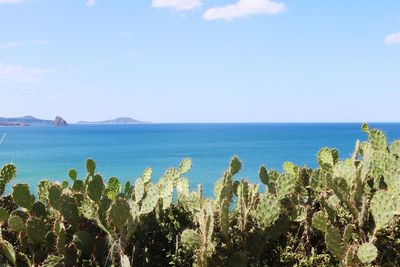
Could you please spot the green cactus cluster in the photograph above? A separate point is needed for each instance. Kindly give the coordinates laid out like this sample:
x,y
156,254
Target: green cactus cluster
x,y
345,212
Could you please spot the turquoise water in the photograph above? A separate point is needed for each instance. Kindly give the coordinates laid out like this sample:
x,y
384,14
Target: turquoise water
x,y
126,150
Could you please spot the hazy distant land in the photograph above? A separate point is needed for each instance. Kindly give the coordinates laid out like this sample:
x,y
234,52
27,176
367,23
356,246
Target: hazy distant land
x,y
58,121
32,121
114,121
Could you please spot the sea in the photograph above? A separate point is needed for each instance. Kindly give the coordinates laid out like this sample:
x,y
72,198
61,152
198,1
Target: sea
x,y
124,151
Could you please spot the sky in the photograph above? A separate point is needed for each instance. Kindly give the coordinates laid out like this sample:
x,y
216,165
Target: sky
x,y
201,60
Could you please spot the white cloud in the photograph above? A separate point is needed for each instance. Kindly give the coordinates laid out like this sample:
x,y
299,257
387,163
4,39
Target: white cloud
x,y
177,4
20,74
11,1
393,38
244,8
89,3
11,45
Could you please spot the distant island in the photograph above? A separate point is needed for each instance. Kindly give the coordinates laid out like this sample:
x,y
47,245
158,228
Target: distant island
x,y
114,121
32,121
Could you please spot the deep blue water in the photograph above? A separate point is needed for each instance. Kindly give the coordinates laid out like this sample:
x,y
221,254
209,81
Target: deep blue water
x,y
126,150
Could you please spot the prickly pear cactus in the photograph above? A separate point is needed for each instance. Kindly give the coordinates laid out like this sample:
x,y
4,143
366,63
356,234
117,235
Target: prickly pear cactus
x,y
4,215
119,213
95,188
235,166
383,209
16,223
7,173
139,190
190,239
285,185
90,167
327,157
36,230
22,196
367,253
73,174
333,241
8,251
150,200
320,221
268,210
113,187
185,166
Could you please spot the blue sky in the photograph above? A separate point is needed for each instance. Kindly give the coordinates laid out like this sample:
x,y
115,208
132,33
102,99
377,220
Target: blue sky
x,y
201,60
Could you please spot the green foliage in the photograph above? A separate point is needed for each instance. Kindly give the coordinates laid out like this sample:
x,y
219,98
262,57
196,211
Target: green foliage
x,y
343,213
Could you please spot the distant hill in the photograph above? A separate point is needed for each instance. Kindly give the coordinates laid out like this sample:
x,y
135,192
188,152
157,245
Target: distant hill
x,y
114,121
31,121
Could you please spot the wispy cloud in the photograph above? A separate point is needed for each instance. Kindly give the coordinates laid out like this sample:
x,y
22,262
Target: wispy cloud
x,y
20,74
393,38
11,1
244,8
89,3
11,45
179,5
21,44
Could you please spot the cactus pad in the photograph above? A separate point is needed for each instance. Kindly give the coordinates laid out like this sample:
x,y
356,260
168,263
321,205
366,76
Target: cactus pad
x,y
55,196
16,223
263,175
139,190
383,208
285,185
36,230
327,157
190,239
268,210
320,221
235,166
147,175
90,166
185,166
7,173
95,188
73,174
367,253
378,140
9,252
22,196
298,214
333,241
69,209
4,214
150,200
113,187
83,241
119,212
